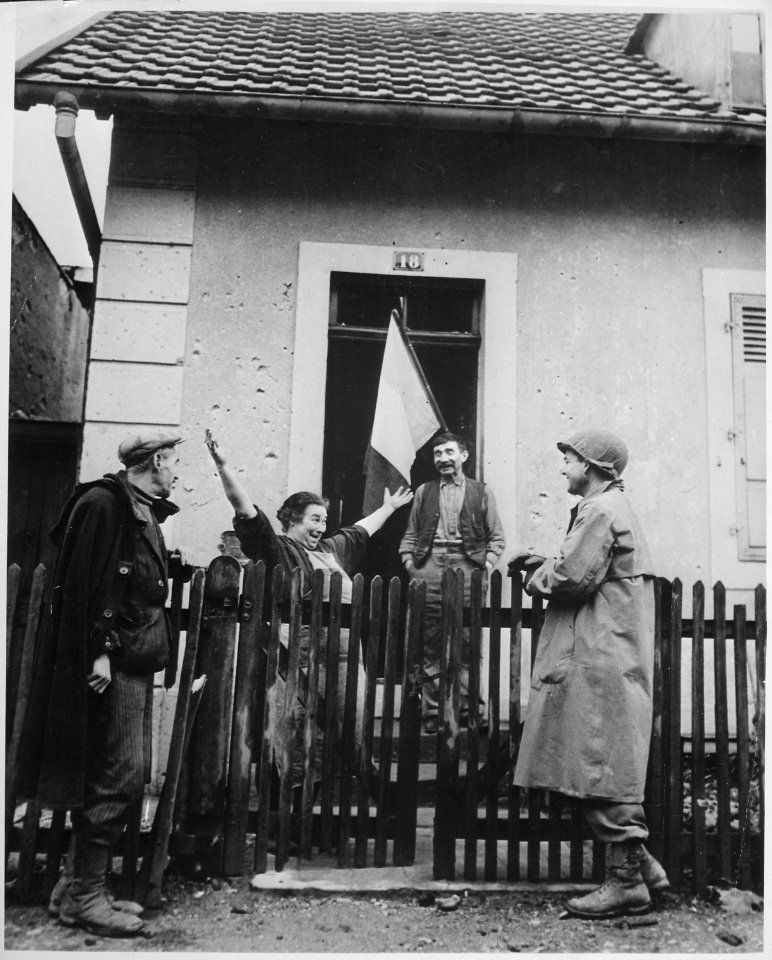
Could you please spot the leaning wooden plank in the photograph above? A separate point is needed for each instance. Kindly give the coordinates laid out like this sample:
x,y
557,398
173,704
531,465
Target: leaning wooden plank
x,y
699,840
723,816
387,724
494,733
148,888
410,729
13,644
242,730
310,726
675,787
473,724
743,872
368,725
332,722
265,757
29,654
288,737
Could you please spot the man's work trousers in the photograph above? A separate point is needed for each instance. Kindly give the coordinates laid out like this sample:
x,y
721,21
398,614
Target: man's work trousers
x,y
119,739
614,822
438,561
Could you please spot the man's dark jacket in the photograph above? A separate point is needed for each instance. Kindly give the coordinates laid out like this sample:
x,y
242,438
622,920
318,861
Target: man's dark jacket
x,y
103,546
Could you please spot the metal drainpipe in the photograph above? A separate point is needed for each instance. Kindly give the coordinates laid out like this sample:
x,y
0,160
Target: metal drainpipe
x,y
66,113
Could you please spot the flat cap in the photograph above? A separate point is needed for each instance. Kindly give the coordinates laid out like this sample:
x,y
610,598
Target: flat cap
x,y
138,446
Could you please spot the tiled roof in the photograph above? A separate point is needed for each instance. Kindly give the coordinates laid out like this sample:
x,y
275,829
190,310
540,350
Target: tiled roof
x,y
527,61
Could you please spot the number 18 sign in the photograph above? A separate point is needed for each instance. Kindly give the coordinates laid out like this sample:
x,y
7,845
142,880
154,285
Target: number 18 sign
x,y
408,260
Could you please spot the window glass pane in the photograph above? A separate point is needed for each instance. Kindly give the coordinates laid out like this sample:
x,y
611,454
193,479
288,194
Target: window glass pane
x,y
431,304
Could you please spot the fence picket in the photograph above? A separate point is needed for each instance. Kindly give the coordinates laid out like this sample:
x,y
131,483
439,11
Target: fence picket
x,y
555,824
349,744
494,732
743,871
760,618
368,724
445,821
515,688
410,729
699,850
54,851
270,706
675,787
473,704
310,725
243,724
30,642
331,720
387,724
722,735
288,737
179,574
655,779
211,733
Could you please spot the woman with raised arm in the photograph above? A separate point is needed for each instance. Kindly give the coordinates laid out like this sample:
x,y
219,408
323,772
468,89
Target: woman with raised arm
x,y
302,543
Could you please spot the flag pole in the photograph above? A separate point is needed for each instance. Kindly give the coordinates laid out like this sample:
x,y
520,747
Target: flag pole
x,y
395,315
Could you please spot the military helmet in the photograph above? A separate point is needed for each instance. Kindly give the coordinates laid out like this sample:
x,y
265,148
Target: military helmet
x,y
602,449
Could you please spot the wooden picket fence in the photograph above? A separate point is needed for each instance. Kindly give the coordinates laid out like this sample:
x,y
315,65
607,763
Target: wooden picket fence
x,y
228,803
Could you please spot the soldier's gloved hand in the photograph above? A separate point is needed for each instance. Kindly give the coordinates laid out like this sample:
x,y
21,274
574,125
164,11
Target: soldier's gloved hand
x,y
524,561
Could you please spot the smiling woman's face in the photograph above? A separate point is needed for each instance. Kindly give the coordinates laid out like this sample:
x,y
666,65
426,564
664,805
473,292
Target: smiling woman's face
x,y
309,530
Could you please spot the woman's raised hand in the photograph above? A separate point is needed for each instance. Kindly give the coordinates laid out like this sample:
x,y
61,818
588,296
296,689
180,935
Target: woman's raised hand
x,y
214,448
400,498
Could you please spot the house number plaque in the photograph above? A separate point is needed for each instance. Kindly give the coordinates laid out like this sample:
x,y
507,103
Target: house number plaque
x,y
409,261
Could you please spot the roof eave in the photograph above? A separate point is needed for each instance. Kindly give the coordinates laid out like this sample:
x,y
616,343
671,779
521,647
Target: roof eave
x,y
105,100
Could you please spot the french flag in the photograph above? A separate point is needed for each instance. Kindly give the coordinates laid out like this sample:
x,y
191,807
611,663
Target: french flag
x,y
406,416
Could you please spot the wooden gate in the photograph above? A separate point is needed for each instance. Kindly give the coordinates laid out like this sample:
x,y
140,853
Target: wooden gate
x,y
282,755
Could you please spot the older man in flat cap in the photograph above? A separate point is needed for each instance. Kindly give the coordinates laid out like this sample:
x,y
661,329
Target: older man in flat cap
x,y
89,749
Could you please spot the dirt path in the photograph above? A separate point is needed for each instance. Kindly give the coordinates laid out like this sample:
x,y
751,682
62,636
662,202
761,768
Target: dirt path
x,y
224,918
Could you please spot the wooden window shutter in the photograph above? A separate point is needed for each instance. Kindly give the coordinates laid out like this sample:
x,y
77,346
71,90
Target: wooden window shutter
x,y
749,356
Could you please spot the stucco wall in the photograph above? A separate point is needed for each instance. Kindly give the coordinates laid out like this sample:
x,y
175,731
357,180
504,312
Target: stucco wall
x,y
49,332
610,238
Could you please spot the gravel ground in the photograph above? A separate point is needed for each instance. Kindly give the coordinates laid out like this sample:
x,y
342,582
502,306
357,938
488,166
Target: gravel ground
x,y
229,917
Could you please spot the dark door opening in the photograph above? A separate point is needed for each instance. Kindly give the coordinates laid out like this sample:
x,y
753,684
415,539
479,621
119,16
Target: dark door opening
x,y
442,320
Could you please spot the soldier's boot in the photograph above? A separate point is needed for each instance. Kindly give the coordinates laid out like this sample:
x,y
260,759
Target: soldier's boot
x,y
55,900
85,904
653,873
624,891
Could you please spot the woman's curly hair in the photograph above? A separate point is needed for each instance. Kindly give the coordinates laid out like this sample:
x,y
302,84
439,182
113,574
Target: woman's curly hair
x,y
294,507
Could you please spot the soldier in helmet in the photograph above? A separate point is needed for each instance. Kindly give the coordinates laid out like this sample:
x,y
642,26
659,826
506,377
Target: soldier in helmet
x,y
588,721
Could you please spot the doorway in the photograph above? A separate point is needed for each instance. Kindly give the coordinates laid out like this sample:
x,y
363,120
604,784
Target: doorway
x,y
441,317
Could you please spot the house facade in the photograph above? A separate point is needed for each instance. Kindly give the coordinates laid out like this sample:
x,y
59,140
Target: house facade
x,y
569,215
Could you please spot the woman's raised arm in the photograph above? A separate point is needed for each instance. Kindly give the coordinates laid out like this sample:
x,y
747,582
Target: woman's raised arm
x,y
234,491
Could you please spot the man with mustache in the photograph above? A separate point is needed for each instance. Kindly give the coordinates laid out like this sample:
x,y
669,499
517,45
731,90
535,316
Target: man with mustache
x,y
454,524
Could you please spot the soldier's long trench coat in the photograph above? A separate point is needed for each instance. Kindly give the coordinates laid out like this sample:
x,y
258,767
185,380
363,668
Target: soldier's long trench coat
x,y
588,720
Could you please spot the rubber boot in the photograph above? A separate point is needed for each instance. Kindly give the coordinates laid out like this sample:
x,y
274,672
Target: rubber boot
x,y
85,902
55,901
653,873
624,891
